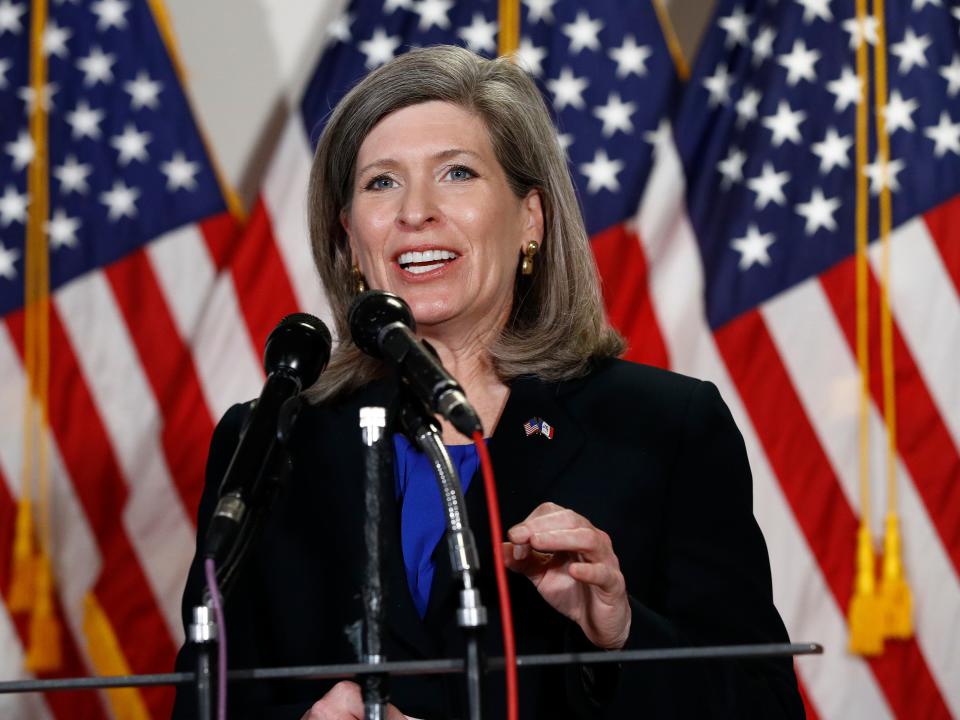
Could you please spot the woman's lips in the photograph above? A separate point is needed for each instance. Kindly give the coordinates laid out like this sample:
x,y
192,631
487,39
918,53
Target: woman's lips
x,y
425,262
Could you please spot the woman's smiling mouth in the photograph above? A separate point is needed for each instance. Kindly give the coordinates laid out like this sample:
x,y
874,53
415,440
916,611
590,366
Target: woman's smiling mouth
x,y
419,262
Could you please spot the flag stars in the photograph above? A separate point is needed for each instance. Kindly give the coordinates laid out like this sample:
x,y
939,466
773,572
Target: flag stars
x,y
731,167
818,212
659,138
143,91
884,174
433,12
73,176
813,9
339,27
746,106
616,115
602,173
799,63
769,186
13,207
480,36
753,248
30,100
96,67
21,150
131,145
10,14
539,10
950,73
390,6
55,39
8,260
4,66
718,85
62,230
85,121
630,57
911,51
833,151
899,113
110,14
583,33
567,90
945,135
736,25
379,49
785,124
180,172
860,31
763,45
564,140
530,57
120,201
920,4
846,89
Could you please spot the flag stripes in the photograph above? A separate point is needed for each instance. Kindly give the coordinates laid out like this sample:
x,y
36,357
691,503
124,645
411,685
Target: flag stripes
x,y
263,287
922,439
626,294
165,541
811,487
167,364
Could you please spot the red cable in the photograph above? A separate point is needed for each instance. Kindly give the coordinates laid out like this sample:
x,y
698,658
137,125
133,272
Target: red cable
x,y
506,613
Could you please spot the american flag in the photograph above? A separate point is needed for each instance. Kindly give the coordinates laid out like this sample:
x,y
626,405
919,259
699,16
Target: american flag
x,y
645,151
532,426
752,284
138,234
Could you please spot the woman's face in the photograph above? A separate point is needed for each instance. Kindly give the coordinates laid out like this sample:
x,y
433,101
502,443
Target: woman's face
x,y
433,220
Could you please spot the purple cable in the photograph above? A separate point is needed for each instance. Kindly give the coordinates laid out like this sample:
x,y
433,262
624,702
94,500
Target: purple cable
x,y
211,573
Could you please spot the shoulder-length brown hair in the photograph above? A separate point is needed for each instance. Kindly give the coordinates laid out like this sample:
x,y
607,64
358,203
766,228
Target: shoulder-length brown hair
x,y
557,323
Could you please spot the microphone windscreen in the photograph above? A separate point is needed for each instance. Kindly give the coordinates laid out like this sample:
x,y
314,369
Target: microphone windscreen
x,y
299,344
372,311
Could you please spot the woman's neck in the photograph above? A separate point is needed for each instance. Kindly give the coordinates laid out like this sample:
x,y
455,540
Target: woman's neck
x,y
467,359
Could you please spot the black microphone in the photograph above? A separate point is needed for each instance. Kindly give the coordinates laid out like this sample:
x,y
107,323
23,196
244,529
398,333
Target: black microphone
x,y
382,326
296,352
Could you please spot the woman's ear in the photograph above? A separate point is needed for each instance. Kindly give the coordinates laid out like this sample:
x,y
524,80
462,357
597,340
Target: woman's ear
x,y
345,224
533,224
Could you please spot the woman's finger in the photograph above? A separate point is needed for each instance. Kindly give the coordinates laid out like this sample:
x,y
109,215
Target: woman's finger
x,y
604,577
593,544
525,560
546,517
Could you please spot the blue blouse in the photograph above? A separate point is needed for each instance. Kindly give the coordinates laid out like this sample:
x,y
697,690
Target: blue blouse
x,y
422,517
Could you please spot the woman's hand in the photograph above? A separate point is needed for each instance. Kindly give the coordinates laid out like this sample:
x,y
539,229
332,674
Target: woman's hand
x,y
344,702
574,568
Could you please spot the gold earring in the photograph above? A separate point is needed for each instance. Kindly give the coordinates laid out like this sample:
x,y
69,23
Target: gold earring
x,y
526,267
359,282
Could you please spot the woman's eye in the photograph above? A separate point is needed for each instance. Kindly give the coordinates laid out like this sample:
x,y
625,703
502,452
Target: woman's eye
x,y
460,172
380,182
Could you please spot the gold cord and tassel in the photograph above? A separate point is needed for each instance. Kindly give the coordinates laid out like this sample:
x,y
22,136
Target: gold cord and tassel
x,y
32,579
876,613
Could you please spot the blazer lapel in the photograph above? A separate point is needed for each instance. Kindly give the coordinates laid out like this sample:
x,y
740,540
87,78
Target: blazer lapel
x,y
525,466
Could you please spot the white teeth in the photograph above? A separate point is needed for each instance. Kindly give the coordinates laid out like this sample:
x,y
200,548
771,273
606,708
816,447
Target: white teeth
x,y
419,269
426,256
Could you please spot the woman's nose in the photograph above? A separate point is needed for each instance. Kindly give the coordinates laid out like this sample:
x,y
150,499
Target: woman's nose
x,y
418,207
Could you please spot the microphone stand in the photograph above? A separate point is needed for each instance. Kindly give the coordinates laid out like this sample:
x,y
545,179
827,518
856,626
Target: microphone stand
x,y
471,615
203,631
373,421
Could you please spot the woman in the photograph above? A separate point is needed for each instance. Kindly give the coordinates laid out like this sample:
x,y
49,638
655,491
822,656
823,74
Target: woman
x,y
439,178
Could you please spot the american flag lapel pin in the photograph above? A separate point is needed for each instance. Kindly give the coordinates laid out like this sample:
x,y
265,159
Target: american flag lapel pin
x,y
532,426
546,429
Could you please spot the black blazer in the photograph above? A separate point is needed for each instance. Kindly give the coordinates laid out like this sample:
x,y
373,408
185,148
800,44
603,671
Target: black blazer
x,y
651,457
